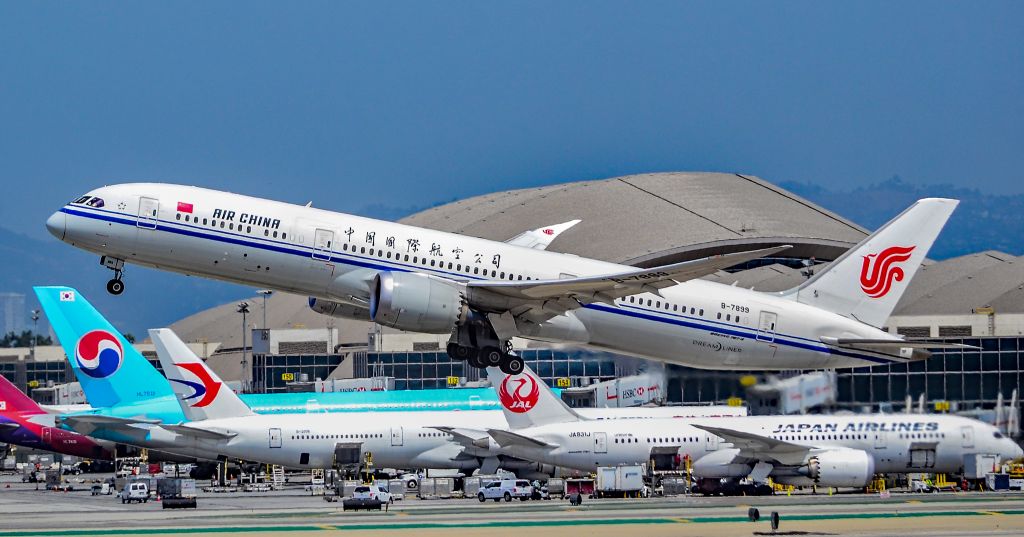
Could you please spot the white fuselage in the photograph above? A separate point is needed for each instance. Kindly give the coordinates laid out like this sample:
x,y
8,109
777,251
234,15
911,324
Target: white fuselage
x,y
897,442
335,256
400,439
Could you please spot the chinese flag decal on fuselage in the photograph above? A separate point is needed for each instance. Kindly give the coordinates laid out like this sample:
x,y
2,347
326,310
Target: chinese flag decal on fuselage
x,y
880,270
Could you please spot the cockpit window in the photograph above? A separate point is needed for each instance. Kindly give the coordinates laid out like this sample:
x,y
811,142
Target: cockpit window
x,y
81,199
95,202
997,434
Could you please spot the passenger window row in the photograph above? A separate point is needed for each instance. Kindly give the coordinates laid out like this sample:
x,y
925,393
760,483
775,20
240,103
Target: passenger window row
x,y
230,226
439,264
667,306
335,436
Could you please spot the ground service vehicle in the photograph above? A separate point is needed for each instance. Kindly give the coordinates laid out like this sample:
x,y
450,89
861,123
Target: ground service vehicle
x,y
135,492
506,489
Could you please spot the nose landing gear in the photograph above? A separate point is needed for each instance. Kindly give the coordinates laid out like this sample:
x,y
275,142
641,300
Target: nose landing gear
x,y
115,286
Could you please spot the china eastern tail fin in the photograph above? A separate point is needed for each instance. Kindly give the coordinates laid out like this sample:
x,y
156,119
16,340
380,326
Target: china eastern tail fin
x,y
13,400
201,393
868,280
109,368
527,401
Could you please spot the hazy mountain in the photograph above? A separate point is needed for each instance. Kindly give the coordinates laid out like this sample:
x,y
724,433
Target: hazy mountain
x,y
981,222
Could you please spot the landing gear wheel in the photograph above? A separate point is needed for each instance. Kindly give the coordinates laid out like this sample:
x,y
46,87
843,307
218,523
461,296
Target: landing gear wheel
x,y
512,365
115,286
477,361
491,357
459,352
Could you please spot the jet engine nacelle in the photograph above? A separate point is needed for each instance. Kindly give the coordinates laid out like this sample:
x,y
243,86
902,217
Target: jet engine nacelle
x,y
416,302
334,308
719,464
839,468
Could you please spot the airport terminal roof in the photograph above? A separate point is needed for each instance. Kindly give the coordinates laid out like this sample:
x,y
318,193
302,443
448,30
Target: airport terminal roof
x,y
655,218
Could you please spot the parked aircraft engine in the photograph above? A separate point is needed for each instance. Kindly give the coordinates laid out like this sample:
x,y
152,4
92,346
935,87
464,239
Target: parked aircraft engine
x,y
721,463
834,468
416,302
333,308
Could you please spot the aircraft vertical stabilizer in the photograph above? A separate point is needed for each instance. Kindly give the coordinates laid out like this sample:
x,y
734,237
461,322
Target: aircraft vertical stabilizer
x,y
13,400
868,280
527,401
202,394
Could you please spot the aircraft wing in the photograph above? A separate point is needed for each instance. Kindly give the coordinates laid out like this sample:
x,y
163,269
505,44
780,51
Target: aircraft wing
x,y
891,344
757,446
510,439
188,430
540,238
561,295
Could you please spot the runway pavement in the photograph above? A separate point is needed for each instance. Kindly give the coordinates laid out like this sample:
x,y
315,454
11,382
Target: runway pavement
x,y
27,512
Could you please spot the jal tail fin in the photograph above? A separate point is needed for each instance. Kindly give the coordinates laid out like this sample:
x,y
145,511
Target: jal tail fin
x,y
527,401
109,368
867,281
14,400
201,393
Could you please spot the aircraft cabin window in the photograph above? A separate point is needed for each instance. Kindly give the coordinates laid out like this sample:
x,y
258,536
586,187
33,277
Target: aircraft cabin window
x,y
177,216
284,235
266,232
702,312
275,234
649,302
186,218
520,277
222,224
362,250
503,275
476,270
432,262
675,307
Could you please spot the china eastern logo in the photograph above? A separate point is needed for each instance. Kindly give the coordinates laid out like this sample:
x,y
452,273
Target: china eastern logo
x,y
205,390
519,393
879,271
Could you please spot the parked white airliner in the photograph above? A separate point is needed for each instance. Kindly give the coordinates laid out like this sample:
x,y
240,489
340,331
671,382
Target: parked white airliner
x,y
835,451
220,424
486,292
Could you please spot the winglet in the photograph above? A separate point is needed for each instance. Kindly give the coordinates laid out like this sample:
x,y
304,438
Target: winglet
x,y
527,401
541,238
201,393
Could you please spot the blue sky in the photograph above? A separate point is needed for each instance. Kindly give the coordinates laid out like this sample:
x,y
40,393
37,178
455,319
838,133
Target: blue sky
x,y
353,104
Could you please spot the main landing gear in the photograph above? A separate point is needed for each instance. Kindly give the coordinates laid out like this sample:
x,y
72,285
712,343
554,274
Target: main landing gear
x,y
476,343
115,286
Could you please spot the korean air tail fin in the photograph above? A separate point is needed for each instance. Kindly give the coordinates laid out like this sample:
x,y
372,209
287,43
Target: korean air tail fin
x,y
201,393
527,401
867,281
14,400
109,368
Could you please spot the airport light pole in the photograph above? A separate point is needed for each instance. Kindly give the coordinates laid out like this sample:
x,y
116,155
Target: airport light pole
x,y
35,326
243,308
266,293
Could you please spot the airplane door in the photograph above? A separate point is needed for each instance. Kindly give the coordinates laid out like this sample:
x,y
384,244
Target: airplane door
x,y
967,436
149,211
47,435
766,326
600,442
397,438
710,442
323,244
880,440
275,438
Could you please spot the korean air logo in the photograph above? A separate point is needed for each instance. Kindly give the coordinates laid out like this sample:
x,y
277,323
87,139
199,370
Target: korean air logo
x,y
205,391
879,271
519,394
99,354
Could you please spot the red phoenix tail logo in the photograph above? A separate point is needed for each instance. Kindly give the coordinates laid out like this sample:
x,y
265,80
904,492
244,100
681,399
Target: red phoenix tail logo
x,y
881,269
519,394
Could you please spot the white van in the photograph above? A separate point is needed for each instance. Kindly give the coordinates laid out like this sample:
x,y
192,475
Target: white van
x,y
136,491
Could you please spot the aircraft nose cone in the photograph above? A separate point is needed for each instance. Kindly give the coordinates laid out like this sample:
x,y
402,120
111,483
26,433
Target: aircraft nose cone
x,y
56,224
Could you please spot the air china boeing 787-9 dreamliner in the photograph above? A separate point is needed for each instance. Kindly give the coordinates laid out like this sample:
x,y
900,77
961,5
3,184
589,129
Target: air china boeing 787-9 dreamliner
x,y
485,292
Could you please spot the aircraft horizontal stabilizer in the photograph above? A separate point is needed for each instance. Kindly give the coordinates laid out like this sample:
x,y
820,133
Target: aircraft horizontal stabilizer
x,y
890,344
470,438
9,426
198,432
101,420
508,439
608,287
